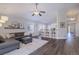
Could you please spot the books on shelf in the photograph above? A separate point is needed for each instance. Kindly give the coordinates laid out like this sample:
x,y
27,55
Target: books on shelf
x,y
50,33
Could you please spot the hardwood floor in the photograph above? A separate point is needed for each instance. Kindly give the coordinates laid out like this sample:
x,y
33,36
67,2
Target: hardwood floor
x,y
59,47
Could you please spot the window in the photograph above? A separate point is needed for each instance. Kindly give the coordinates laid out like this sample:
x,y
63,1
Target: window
x,y
31,28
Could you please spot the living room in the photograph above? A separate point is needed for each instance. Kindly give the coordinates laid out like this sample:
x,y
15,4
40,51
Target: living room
x,y
30,28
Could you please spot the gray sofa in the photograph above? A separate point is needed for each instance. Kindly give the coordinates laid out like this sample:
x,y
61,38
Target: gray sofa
x,y
9,45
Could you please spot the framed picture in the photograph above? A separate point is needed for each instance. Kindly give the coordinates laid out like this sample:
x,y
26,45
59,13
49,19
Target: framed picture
x,y
14,26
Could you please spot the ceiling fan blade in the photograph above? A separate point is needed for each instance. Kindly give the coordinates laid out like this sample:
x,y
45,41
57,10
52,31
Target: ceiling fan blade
x,y
42,12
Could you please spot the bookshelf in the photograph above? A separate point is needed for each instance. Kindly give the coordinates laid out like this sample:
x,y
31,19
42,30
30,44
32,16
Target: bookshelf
x,y
48,33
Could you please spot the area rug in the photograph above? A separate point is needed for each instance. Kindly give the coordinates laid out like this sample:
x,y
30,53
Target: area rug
x,y
26,49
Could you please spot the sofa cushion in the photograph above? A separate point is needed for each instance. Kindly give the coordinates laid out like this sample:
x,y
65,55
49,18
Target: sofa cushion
x,y
8,42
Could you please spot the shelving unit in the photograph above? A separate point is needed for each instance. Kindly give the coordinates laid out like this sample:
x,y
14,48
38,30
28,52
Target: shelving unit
x,y
48,33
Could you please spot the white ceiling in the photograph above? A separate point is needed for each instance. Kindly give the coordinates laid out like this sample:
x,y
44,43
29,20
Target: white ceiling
x,y
25,10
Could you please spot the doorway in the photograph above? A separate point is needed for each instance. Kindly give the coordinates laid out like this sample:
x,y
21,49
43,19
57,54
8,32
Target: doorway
x,y
71,31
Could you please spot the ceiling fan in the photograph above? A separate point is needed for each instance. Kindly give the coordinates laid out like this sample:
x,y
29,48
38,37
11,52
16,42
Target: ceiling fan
x,y
37,12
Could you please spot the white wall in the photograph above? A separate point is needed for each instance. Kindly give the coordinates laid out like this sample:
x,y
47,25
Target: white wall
x,y
77,29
